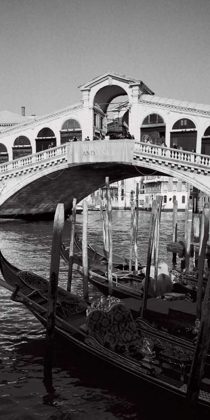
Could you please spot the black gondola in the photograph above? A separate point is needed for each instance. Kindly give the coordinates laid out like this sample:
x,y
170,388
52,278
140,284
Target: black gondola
x,y
108,332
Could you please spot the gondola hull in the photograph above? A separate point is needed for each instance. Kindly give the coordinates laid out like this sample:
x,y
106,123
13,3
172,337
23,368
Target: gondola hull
x,y
82,326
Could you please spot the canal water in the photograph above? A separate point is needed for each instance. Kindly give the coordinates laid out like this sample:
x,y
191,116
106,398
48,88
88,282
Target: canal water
x,y
78,390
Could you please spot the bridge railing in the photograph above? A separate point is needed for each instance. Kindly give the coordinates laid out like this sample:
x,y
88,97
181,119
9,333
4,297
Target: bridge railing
x,y
172,154
35,158
141,148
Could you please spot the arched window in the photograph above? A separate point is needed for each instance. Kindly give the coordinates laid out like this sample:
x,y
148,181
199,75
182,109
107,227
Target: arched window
x,y
46,132
183,124
153,128
71,124
184,135
205,145
45,139
22,147
153,119
207,132
4,157
70,129
165,198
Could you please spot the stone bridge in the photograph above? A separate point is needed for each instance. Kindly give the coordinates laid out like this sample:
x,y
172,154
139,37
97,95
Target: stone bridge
x,y
31,187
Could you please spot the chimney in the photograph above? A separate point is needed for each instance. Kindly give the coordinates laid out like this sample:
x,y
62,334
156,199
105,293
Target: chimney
x,y
23,111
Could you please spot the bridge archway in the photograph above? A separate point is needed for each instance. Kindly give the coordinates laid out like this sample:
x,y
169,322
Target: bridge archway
x,y
22,147
205,144
71,128
109,117
45,139
184,135
153,128
4,156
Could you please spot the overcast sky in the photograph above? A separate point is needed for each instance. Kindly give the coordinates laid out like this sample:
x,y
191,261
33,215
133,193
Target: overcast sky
x,y
50,47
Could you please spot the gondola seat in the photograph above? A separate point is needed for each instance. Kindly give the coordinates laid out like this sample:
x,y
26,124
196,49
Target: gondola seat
x,y
114,329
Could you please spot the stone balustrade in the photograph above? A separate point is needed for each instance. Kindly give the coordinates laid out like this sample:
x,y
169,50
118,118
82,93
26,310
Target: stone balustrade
x,y
172,157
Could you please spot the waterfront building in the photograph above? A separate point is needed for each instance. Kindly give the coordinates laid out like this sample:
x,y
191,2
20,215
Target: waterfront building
x,y
150,188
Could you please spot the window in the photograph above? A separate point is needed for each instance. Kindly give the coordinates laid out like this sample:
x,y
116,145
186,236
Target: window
x,y
153,119
183,199
174,198
183,122
165,198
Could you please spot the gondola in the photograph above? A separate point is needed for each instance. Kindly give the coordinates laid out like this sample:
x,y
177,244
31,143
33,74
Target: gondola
x,y
125,283
107,331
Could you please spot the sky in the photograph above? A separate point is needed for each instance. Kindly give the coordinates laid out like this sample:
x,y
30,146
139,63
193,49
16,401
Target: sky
x,y
48,48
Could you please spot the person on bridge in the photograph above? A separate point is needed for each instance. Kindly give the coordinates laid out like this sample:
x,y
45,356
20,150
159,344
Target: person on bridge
x,y
87,138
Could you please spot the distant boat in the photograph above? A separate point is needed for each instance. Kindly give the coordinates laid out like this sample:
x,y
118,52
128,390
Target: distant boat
x,y
79,209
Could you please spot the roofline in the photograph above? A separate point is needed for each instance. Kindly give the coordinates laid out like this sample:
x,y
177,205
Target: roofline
x,y
38,120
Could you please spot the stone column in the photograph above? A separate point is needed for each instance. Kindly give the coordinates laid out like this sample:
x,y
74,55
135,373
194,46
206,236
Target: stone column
x,y
87,117
199,138
134,123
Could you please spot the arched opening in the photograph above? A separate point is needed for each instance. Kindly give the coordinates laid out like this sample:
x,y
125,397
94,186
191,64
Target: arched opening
x,y
118,119
45,139
111,116
70,129
184,135
22,147
205,145
153,129
4,157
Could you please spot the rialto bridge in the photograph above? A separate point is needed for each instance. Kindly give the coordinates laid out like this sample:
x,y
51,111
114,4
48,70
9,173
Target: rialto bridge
x,y
34,177
31,187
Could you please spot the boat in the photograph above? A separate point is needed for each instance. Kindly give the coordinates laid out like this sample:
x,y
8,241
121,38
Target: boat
x,y
125,283
107,331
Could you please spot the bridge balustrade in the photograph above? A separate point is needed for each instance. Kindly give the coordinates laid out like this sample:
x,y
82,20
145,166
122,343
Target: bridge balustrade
x,y
172,154
32,159
141,149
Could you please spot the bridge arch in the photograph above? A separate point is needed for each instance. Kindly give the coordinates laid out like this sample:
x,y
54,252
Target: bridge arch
x,y
184,134
35,184
45,139
4,156
205,142
153,127
70,128
21,147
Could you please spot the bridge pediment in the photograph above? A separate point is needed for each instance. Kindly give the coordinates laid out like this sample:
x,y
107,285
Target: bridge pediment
x,y
111,78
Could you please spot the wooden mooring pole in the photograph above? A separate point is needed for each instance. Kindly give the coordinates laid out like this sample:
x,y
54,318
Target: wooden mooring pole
x,y
188,234
154,211
157,239
103,216
175,209
149,259
135,229
109,234
53,287
71,246
85,250
201,258
132,204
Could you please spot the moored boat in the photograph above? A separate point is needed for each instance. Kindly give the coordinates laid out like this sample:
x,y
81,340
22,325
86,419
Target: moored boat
x,y
106,330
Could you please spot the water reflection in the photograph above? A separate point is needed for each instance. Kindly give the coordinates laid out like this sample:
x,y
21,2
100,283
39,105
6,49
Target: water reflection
x,y
79,388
